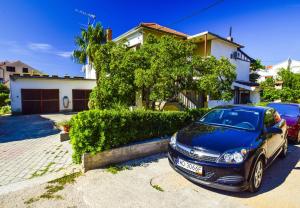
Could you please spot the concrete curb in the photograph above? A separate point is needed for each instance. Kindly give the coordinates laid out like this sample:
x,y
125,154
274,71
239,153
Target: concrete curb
x,y
123,154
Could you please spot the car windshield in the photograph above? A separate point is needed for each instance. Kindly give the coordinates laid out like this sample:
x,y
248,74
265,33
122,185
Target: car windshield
x,y
287,110
237,118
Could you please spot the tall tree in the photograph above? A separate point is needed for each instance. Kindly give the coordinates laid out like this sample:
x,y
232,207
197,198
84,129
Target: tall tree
x,y
87,43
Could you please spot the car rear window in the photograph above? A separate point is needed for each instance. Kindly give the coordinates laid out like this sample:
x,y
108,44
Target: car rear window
x,y
237,118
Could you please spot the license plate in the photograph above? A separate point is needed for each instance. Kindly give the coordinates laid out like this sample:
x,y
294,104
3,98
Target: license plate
x,y
189,166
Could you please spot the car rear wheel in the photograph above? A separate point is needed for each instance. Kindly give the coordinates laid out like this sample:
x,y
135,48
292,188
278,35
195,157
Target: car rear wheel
x,y
257,176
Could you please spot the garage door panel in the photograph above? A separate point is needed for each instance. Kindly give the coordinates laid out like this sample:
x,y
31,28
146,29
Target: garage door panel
x,y
80,99
50,94
31,107
40,101
31,94
50,106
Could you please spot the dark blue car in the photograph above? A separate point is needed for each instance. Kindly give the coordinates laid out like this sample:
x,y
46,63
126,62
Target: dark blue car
x,y
230,147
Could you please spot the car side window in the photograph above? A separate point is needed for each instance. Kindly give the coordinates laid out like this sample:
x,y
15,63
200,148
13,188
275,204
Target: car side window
x,y
269,119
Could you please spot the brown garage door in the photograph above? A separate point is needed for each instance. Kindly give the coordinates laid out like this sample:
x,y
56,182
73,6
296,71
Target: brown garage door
x,y
40,101
80,99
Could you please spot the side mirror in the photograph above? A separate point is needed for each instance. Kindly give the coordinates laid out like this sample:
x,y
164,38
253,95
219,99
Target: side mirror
x,y
274,130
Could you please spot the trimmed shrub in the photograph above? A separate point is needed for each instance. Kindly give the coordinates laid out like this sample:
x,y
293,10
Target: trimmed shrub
x,y
98,130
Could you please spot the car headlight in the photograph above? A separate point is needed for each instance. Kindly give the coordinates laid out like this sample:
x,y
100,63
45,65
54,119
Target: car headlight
x,y
234,156
173,140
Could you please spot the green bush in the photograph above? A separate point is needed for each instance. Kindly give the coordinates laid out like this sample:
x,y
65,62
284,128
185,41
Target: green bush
x,y
98,130
4,99
5,110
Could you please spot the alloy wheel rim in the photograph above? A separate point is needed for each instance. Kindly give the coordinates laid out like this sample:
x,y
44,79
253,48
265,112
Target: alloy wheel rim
x,y
258,174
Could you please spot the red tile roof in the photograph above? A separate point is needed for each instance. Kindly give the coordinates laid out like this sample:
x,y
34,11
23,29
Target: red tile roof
x,y
156,26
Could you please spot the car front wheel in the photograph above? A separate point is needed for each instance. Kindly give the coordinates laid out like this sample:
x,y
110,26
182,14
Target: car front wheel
x,y
257,176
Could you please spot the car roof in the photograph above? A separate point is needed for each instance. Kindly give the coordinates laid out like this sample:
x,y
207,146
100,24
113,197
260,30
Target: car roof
x,y
291,104
245,107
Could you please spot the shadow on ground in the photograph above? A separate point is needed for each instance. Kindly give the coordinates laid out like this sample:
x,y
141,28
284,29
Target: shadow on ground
x,y
16,128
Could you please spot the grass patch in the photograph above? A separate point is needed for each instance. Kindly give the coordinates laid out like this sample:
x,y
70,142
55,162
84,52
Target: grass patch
x,y
115,169
31,200
66,179
158,188
43,171
54,187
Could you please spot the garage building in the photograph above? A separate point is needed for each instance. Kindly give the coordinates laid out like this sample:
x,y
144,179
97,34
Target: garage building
x,y
44,94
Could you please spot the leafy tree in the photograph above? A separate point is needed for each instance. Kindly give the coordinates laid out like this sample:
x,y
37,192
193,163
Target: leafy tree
x,y
161,68
254,66
171,66
165,69
114,64
215,77
87,43
290,91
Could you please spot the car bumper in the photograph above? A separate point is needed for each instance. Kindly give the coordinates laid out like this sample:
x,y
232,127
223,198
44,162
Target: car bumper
x,y
213,181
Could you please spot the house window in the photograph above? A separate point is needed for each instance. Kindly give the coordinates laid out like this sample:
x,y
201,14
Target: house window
x,y
25,70
10,69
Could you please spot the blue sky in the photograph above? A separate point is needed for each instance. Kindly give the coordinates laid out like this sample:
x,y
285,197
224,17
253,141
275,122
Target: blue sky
x,y
41,33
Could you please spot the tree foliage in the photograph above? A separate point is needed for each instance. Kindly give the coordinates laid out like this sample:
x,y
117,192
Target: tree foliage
x,y
160,68
89,38
114,64
254,66
290,91
4,95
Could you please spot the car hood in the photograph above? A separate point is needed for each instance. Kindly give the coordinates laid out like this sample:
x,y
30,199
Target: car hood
x,y
216,138
290,120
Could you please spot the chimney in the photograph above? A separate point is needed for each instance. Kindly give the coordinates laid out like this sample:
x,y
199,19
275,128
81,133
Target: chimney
x,y
230,38
108,34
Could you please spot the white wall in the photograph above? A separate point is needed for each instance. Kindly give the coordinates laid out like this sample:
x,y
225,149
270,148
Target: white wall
x,y
215,103
90,72
134,39
220,49
254,96
65,87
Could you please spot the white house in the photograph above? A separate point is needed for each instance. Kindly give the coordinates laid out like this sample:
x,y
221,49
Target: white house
x,y
8,68
208,44
272,71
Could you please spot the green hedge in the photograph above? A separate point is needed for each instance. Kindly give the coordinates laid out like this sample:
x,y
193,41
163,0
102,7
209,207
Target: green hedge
x,y
98,130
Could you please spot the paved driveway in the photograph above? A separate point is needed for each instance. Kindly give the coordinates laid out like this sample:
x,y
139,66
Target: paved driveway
x,y
30,147
135,188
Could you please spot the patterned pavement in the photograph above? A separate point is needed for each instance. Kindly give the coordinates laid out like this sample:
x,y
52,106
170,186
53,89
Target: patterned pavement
x,y
30,147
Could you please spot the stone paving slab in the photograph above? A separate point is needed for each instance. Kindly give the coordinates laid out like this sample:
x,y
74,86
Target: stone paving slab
x,y
32,158
30,147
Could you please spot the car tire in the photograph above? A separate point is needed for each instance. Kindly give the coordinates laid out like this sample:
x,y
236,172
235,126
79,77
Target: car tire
x,y
257,176
284,150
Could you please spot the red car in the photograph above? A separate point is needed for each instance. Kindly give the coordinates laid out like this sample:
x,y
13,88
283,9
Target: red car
x,y
291,113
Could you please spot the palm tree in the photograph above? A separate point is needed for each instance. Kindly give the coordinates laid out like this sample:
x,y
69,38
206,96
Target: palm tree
x,y
90,38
